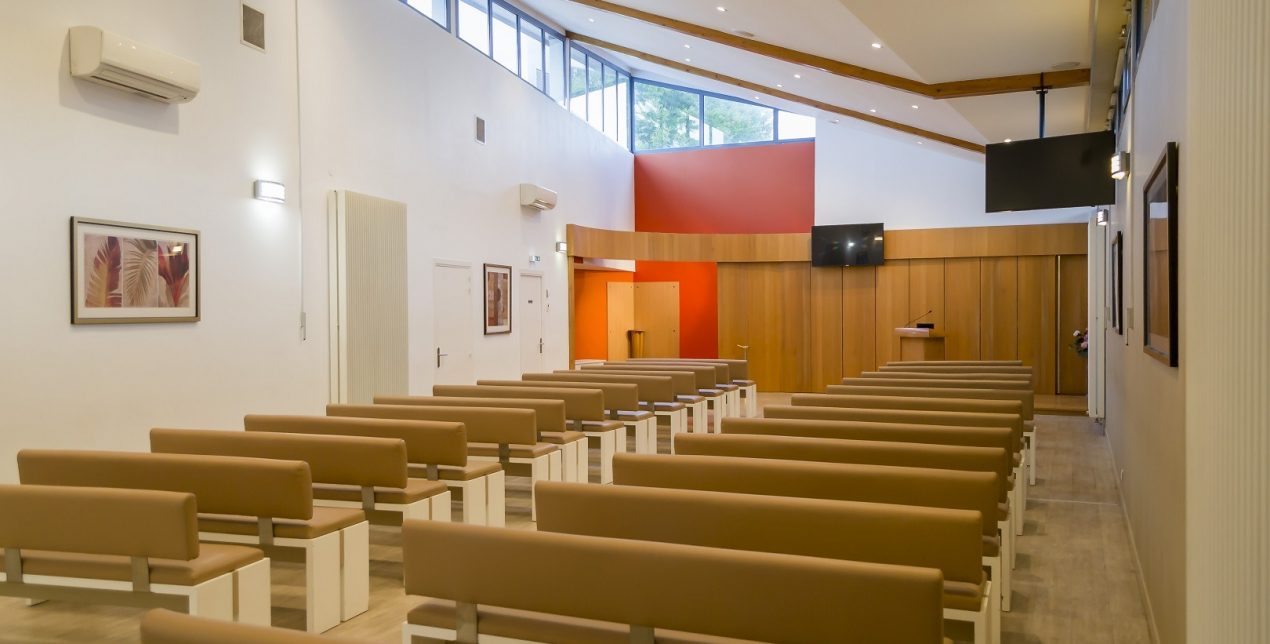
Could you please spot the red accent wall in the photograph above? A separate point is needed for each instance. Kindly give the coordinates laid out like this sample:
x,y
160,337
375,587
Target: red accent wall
x,y
698,303
591,312
748,189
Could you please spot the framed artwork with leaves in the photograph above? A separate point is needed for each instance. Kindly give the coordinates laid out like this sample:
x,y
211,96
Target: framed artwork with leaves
x,y
125,273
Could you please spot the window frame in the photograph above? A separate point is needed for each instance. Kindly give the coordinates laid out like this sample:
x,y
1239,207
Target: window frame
x,y
449,14
701,116
619,72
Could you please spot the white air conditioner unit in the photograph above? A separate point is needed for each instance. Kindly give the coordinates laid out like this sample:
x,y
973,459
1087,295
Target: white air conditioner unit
x,y
108,59
533,196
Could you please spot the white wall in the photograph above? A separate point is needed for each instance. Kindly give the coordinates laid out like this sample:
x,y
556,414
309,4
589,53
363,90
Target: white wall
x,y
866,173
388,101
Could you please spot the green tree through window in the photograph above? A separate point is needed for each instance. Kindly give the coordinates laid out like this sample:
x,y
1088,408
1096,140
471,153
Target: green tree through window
x,y
735,122
666,118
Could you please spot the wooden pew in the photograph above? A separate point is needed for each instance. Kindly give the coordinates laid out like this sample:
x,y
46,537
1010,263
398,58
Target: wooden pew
x,y
656,396
704,378
348,471
125,547
685,384
506,436
947,540
730,401
255,501
621,405
435,451
653,591
161,626
740,372
956,363
1023,370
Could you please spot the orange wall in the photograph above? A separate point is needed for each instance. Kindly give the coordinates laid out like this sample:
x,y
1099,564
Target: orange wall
x,y
698,303
591,312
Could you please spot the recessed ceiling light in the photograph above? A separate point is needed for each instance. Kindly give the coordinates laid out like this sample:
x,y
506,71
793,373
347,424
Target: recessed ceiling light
x,y
919,142
590,19
872,111
721,9
779,85
914,107
686,46
687,60
877,45
756,98
1008,140
798,75
835,121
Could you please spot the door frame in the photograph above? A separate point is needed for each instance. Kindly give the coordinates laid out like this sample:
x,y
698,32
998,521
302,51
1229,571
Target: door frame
x,y
542,318
445,263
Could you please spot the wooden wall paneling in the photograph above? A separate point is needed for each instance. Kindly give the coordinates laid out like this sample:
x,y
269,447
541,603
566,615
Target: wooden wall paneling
x,y
764,311
891,309
987,241
961,299
1073,315
824,335
733,320
621,318
999,310
1038,302
859,341
926,290
790,338
657,315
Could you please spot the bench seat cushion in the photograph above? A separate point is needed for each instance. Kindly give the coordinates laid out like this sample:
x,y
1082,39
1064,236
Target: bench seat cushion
x,y
962,595
743,383
991,546
415,490
516,451
541,627
624,415
473,470
692,399
324,521
213,561
562,438
671,406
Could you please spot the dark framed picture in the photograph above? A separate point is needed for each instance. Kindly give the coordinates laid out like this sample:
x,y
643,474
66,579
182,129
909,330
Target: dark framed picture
x,y
1116,289
1159,250
125,273
498,299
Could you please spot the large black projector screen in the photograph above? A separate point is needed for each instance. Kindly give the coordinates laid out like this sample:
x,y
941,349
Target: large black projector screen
x,y
1057,172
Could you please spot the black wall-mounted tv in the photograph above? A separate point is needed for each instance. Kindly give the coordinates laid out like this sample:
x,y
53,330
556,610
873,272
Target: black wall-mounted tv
x,y
846,245
1056,172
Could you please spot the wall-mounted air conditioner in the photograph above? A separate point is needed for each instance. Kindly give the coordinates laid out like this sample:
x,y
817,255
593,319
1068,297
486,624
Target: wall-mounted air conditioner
x,y
533,196
112,60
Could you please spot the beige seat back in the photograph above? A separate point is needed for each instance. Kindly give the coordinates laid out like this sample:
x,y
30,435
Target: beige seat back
x,y
951,489
683,381
908,416
427,442
998,437
577,404
952,381
484,425
755,596
962,369
942,375
98,521
956,363
337,460
703,375
1024,397
722,372
617,396
166,627
548,414
947,540
253,487
739,369
652,389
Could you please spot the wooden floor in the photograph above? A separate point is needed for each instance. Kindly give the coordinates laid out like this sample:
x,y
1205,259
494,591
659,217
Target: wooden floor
x,y
1062,405
1075,581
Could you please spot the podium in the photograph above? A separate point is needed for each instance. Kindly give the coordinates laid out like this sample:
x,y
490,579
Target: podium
x,y
920,344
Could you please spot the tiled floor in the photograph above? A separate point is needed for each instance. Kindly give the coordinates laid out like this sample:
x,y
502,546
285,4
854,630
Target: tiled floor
x,y
1075,582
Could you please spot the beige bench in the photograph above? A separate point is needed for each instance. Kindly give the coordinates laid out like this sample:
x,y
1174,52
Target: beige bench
x,y
435,451
1022,370
956,363
166,627
621,405
252,501
740,372
549,416
508,437
126,547
584,411
685,384
704,381
656,398
597,589
718,381
946,540
348,471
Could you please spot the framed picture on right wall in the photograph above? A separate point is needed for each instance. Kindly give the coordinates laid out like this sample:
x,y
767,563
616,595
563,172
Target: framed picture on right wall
x,y
1160,250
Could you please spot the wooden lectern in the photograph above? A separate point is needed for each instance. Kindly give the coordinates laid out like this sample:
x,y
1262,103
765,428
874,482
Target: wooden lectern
x,y
920,344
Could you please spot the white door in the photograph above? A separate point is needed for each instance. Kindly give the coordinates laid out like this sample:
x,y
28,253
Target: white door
x,y
452,326
532,306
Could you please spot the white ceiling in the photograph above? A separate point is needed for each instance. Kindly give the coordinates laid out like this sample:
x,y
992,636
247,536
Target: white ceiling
x,y
929,40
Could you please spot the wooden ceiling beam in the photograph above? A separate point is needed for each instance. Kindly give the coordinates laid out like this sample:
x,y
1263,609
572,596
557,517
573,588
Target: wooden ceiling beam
x,y
778,93
953,89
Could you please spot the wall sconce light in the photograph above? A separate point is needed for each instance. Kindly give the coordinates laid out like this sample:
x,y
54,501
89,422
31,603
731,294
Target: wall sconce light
x,y
1120,165
562,247
1104,216
270,191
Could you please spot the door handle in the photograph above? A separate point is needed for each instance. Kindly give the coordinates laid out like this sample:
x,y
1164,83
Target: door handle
x,y
440,355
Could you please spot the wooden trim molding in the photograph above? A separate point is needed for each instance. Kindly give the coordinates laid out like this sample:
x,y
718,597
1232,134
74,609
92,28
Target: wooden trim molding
x,y
925,243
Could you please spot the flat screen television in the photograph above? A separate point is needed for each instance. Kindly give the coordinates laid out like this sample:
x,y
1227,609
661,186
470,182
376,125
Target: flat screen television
x,y
846,245
1055,172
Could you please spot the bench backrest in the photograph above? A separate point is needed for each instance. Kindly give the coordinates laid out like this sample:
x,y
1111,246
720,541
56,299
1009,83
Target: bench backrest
x,y
337,460
99,521
712,591
952,489
161,626
1024,397
737,369
957,363
650,388
617,396
254,487
942,375
427,442
947,540
1006,370
684,383
999,437
576,404
907,416
722,372
484,424
837,450
955,381
549,415
703,375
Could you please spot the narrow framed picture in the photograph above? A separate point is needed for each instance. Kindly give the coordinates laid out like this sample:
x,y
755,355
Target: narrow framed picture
x,y
1159,251
125,273
498,299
